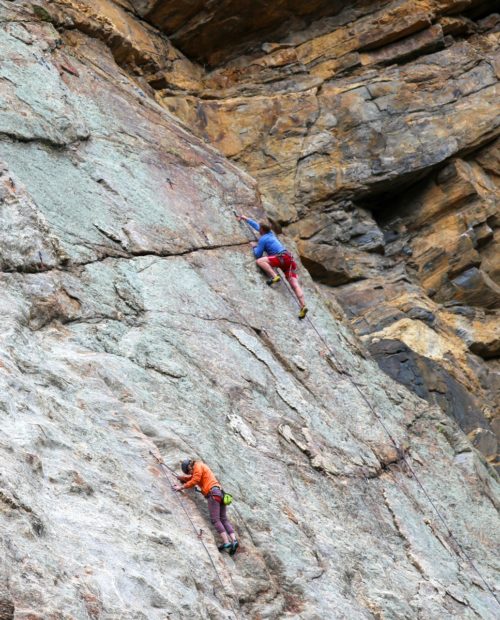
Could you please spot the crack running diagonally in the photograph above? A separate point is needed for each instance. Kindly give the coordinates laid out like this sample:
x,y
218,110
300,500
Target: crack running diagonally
x,y
69,265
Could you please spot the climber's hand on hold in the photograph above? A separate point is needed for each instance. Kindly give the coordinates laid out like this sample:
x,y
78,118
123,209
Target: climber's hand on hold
x,y
253,244
177,487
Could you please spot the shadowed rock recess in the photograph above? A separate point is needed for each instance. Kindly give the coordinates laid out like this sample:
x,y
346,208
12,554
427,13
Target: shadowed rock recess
x,y
134,319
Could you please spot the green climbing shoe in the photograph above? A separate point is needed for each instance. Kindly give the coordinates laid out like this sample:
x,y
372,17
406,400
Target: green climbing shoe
x,y
225,547
303,311
272,281
234,547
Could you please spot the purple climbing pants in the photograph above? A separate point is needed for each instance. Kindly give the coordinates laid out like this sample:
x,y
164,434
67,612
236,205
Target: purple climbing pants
x,y
218,512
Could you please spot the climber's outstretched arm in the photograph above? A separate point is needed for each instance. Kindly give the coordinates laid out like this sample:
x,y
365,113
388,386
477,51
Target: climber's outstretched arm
x,y
249,221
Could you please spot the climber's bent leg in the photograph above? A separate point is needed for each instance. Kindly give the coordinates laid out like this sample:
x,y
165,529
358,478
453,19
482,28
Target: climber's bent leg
x,y
264,264
225,521
214,509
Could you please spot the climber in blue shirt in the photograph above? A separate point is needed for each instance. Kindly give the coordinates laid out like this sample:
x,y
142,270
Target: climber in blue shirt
x,y
277,256
268,241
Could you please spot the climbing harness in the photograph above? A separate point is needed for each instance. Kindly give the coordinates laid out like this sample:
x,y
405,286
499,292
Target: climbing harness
x,y
287,263
400,452
199,533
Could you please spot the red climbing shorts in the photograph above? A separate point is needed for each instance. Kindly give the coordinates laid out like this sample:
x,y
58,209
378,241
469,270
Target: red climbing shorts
x,y
286,263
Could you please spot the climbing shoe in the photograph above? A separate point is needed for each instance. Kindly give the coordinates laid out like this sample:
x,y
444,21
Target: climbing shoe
x,y
303,312
226,547
272,281
234,547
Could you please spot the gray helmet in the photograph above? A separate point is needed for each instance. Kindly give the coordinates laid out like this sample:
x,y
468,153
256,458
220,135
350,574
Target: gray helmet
x,y
185,465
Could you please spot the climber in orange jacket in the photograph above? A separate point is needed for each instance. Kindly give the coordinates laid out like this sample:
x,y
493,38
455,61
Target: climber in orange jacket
x,y
197,473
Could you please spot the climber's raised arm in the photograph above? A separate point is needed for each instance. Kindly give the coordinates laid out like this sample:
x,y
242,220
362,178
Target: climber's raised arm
x,y
249,221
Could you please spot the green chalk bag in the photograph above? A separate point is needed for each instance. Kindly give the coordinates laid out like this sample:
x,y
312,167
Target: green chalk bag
x,y
226,498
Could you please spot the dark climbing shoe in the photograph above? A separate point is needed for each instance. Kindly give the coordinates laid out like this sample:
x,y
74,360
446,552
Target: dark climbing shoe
x,y
303,311
225,547
234,547
272,281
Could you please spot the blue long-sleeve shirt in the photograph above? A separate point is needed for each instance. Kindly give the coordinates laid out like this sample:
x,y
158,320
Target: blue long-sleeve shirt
x,y
268,243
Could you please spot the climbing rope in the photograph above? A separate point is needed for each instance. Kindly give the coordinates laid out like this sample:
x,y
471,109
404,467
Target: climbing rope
x,y
199,534
399,451
403,457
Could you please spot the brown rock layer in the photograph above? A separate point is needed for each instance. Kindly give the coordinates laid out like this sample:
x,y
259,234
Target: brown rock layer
x,y
210,32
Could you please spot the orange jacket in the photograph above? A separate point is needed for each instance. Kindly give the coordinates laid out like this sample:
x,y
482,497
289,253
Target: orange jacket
x,y
203,477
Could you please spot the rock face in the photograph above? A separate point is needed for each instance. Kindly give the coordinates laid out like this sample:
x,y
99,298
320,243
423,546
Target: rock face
x,y
135,322
211,31
358,129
